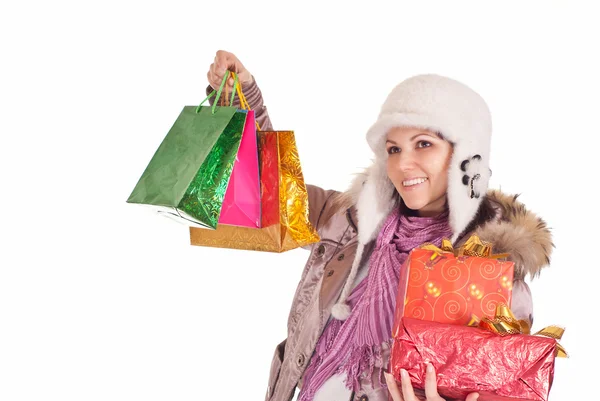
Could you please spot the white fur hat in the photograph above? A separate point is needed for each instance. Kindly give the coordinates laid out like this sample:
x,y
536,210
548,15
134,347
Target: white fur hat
x,y
438,104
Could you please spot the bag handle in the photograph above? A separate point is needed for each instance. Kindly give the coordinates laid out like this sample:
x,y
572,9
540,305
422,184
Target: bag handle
x,y
243,101
235,85
218,93
244,105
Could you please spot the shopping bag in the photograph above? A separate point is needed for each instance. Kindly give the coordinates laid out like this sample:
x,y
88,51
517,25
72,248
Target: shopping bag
x,y
241,205
284,200
188,177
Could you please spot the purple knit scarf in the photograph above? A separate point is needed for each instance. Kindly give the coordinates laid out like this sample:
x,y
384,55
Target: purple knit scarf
x,y
354,346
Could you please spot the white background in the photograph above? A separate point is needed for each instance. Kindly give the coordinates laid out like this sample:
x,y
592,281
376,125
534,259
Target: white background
x,y
102,300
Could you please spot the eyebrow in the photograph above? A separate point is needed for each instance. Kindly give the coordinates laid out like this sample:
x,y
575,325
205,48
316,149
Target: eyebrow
x,y
414,136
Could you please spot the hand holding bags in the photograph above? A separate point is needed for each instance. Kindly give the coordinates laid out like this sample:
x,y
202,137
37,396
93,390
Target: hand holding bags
x,y
188,178
206,174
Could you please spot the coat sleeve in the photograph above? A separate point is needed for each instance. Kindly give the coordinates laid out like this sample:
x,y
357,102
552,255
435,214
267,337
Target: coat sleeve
x,y
256,102
522,302
319,202
275,369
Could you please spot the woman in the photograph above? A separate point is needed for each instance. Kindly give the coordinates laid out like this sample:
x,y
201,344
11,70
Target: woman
x,y
428,181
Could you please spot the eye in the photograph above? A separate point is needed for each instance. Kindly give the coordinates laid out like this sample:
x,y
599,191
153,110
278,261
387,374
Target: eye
x,y
393,149
424,144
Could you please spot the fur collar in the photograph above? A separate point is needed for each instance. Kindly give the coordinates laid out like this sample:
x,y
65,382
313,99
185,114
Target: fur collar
x,y
519,232
513,229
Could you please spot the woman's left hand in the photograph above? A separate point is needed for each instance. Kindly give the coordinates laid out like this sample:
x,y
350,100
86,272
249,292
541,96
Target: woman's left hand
x,y
408,393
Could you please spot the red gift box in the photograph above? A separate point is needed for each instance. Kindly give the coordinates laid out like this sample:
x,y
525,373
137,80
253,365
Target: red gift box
x,y
439,286
470,359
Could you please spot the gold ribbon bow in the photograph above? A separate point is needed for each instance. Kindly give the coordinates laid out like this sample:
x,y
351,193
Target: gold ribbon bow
x,y
474,246
505,323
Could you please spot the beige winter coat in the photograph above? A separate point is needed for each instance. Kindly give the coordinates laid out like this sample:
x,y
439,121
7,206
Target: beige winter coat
x,y
513,230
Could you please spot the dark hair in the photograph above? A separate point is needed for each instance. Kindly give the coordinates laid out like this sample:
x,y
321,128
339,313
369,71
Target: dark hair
x,y
405,210
486,211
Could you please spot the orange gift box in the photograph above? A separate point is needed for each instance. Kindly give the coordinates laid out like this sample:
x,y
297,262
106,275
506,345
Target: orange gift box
x,y
448,286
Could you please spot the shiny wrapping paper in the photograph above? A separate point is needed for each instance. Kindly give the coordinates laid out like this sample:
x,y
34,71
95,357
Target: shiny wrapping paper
x,y
204,196
241,205
450,289
188,175
284,203
470,359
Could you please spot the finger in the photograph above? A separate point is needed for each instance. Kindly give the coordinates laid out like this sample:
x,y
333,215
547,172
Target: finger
x,y
408,393
215,75
213,80
209,81
230,62
211,75
225,61
220,63
215,70
431,383
472,397
219,68
393,387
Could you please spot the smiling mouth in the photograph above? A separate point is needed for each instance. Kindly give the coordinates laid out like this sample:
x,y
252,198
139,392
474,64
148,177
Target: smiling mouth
x,y
413,182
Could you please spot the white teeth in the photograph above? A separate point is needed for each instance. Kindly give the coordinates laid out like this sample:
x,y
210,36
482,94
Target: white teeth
x,y
414,182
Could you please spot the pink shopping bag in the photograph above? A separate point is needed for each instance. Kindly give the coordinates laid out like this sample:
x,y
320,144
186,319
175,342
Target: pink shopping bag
x,y
241,205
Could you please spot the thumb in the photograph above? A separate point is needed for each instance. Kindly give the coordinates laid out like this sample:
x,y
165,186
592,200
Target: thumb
x,y
394,393
472,397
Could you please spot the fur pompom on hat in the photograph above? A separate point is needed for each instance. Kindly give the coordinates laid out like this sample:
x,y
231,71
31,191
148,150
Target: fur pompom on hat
x,y
461,116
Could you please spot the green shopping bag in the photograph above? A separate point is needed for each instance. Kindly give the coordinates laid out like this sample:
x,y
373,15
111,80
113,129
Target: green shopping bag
x,y
188,175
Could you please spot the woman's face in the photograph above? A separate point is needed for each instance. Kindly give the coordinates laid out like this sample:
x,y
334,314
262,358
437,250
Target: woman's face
x,y
417,164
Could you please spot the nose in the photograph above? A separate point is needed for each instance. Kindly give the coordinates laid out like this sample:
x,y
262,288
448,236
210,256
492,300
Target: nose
x,y
405,161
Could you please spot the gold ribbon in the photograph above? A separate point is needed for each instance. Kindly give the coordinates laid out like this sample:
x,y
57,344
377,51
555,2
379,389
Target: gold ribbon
x,y
505,323
244,105
474,246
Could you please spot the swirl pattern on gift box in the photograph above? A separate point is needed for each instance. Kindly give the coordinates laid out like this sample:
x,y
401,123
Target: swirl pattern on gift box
x,y
452,306
459,285
419,309
418,275
455,273
432,289
490,269
505,282
475,291
490,302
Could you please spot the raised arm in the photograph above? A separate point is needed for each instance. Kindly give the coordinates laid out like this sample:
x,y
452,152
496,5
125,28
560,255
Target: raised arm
x,y
225,61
